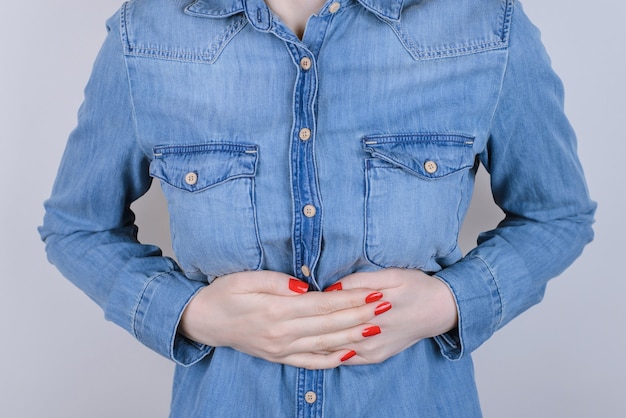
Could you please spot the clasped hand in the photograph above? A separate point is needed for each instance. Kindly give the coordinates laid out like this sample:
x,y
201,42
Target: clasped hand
x,y
365,319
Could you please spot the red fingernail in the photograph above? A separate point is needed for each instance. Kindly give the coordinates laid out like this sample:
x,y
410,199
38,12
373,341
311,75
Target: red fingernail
x,y
373,297
298,286
348,355
370,331
382,308
336,286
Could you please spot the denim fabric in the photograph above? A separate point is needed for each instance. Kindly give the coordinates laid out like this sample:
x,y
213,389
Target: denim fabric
x,y
402,102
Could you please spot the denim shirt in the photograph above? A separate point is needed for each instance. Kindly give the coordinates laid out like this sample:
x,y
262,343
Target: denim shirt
x,y
353,149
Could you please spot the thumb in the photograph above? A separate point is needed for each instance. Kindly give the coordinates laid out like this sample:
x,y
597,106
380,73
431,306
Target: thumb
x,y
374,280
270,282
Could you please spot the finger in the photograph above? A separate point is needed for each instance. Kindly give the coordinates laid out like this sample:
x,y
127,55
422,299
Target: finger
x,y
314,361
315,304
336,322
355,281
378,280
266,281
328,343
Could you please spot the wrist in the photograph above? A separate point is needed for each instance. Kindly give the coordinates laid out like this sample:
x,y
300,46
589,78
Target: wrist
x,y
191,324
448,308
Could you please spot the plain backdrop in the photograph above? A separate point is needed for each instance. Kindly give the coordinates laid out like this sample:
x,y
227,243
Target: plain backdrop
x,y
59,358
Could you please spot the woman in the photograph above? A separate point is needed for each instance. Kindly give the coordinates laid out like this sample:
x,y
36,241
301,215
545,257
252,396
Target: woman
x,y
307,147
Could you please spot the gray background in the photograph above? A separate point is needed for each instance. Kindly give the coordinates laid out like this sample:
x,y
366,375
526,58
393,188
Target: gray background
x,y
59,358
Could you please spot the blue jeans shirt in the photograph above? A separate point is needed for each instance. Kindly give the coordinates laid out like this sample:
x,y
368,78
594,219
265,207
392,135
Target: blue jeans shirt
x,y
353,149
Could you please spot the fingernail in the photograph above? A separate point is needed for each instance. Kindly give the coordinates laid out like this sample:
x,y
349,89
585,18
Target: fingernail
x,y
371,331
382,308
348,355
298,286
336,286
373,297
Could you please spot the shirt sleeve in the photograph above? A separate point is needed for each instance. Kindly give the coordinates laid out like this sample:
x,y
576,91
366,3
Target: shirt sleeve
x,y
537,180
89,228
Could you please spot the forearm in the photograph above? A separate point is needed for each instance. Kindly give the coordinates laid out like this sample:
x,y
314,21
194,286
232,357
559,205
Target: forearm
x,y
537,180
89,228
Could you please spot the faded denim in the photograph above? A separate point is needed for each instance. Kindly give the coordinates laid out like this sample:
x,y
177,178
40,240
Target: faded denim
x,y
402,102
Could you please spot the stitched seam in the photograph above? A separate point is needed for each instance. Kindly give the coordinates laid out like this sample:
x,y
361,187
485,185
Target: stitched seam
x,y
419,138
495,284
506,19
140,299
217,45
453,51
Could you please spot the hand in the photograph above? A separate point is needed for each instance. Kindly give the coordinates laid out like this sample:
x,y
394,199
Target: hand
x,y
272,316
423,307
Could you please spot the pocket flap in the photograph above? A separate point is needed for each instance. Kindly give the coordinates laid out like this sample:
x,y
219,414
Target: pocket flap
x,y
426,155
198,167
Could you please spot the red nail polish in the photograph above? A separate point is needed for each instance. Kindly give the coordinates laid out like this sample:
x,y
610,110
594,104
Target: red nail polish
x,y
371,331
298,286
348,355
373,297
382,308
336,286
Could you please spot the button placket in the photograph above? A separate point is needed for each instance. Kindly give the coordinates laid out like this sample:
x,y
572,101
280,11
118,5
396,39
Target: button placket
x,y
310,393
307,205
307,222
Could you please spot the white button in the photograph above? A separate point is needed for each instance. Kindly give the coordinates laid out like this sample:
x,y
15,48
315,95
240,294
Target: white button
x,y
305,134
305,63
191,178
306,271
310,397
334,7
309,211
430,167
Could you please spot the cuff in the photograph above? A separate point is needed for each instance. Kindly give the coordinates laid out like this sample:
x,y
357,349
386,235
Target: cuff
x,y
478,305
156,315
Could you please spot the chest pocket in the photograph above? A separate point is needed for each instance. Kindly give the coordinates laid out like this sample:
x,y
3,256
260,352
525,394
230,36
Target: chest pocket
x,y
417,192
210,194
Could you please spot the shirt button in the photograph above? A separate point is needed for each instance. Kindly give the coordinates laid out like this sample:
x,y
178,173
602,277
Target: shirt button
x,y
305,63
306,271
310,397
305,134
334,7
309,211
191,178
430,167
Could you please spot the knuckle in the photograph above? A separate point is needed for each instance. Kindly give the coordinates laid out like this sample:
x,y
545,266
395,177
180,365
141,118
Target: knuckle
x,y
356,337
273,350
275,334
370,316
276,312
326,326
269,281
358,299
325,307
321,343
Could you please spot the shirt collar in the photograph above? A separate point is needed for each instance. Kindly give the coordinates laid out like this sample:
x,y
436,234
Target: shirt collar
x,y
215,8
387,9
